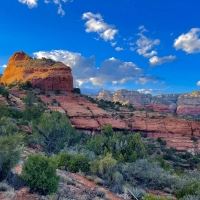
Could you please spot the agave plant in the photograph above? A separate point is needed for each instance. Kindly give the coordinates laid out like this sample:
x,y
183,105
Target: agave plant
x,y
135,192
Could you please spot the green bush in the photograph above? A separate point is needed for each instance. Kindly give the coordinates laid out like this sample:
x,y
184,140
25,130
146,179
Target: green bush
x,y
151,197
62,159
4,91
57,92
9,153
39,173
77,91
25,85
79,162
52,131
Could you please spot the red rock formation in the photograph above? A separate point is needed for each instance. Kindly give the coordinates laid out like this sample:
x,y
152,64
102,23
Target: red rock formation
x,y
188,110
158,107
43,73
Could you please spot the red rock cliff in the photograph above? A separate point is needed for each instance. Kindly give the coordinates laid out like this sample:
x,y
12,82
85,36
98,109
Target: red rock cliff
x,y
43,73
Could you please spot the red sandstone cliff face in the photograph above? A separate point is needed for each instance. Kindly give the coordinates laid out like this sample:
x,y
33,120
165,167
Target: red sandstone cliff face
x,y
89,118
43,73
83,114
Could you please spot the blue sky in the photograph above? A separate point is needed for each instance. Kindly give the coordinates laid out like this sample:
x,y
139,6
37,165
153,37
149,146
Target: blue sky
x,y
149,46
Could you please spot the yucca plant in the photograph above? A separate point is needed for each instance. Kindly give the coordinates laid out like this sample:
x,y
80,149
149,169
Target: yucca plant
x,y
135,192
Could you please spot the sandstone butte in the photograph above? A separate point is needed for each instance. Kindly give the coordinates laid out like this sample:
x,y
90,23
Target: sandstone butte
x,y
43,73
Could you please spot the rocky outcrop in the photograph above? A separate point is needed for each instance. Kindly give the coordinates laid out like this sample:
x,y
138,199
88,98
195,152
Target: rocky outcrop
x,y
89,118
105,95
133,97
177,132
182,104
82,113
43,73
158,108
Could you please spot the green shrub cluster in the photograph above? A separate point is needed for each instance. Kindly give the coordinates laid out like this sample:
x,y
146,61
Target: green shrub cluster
x,y
124,148
39,173
3,91
73,163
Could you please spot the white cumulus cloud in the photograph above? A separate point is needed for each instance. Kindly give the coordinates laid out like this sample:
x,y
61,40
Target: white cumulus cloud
x,y
144,44
111,70
155,60
189,42
4,66
119,49
30,3
198,83
34,3
149,91
95,23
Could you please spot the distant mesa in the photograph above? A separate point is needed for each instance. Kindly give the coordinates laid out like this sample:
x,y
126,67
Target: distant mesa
x,y
44,73
182,104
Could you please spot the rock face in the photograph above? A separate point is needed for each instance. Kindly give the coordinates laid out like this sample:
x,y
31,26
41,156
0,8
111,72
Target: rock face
x,y
89,118
105,95
182,104
43,73
83,114
133,97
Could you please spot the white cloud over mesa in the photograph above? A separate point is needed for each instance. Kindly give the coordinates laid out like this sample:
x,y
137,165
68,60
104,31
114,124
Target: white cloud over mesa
x,y
95,23
34,3
189,42
111,70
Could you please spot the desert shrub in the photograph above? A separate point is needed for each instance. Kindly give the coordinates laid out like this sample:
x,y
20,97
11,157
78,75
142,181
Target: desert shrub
x,y
15,113
189,189
4,187
33,112
25,85
104,167
62,159
52,132
101,192
124,147
57,92
4,110
191,197
8,195
77,91
30,99
151,197
151,174
79,162
9,153
98,181
90,178
39,173
3,91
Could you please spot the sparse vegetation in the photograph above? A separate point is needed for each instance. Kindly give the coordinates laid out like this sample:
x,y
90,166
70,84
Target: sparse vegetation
x,y
116,160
